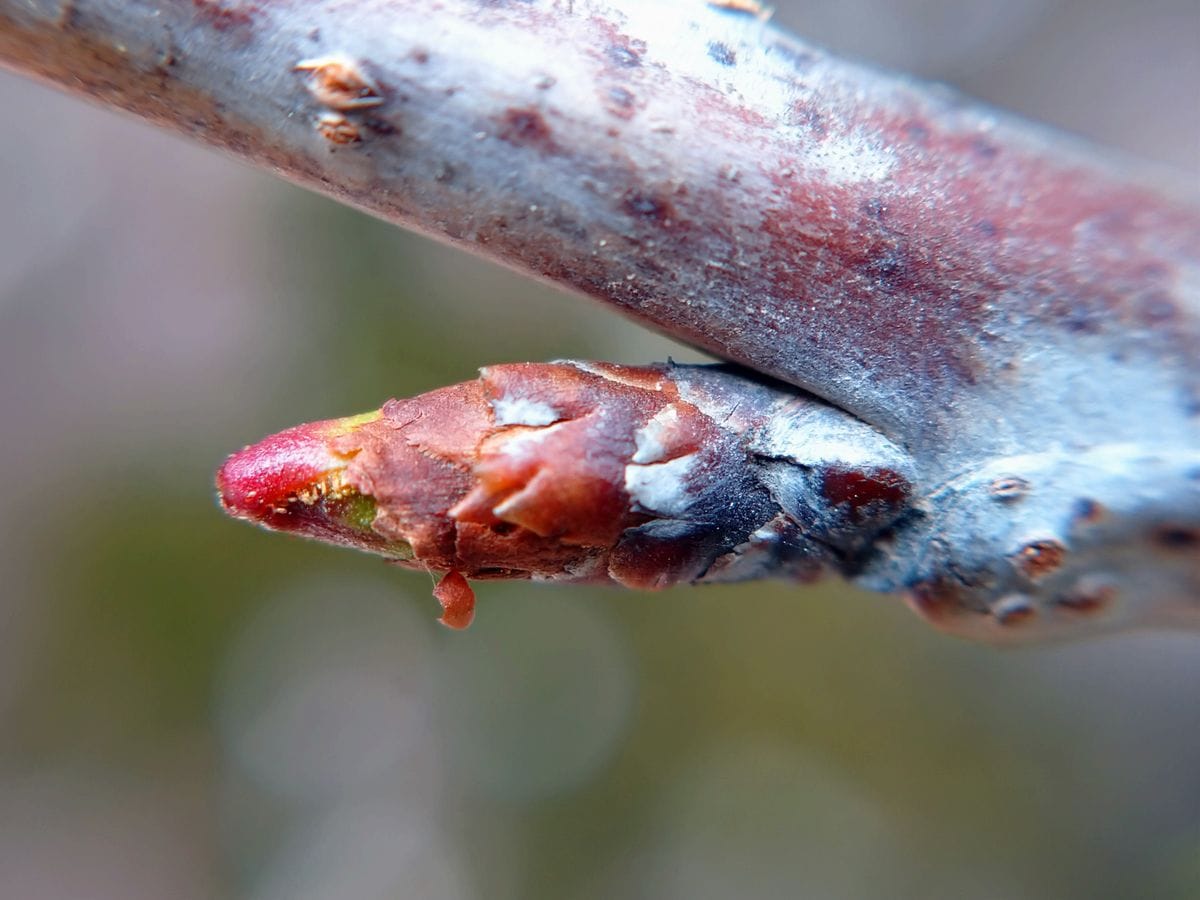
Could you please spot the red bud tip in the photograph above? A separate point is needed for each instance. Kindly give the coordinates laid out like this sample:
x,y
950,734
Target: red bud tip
x,y
295,481
258,481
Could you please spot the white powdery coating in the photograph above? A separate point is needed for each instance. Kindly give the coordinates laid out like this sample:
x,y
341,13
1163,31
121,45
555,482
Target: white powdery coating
x,y
517,444
661,487
652,438
824,436
682,38
851,160
759,79
509,410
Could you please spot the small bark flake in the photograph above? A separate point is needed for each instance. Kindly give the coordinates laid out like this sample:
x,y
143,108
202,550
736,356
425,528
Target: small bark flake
x,y
339,83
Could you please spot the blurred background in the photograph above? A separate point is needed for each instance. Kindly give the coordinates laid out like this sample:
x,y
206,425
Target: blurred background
x,y
190,708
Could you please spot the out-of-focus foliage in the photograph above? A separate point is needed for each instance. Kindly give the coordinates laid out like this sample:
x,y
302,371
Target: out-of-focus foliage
x,y
193,709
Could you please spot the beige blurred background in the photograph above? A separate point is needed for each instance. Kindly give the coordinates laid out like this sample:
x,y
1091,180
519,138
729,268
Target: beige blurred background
x,y
190,708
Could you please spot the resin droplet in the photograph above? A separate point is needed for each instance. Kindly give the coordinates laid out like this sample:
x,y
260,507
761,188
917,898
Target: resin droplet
x,y
457,599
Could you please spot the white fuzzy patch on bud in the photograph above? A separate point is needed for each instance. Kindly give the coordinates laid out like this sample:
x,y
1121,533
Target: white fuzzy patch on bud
x,y
509,410
653,438
662,488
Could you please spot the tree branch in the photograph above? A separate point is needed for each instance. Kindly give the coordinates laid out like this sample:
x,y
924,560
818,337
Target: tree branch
x,y
1018,314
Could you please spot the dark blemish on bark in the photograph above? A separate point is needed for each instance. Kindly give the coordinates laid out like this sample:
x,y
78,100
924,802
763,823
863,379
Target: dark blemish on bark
x,y
526,127
805,116
1087,511
890,270
496,229
800,60
565,224
651,207
1008,489
625,53
1156,308
381,127
875,209
224,17
1081,321
864,492
917,132
984,149
721,53
987,228
1177,538
621,103
1191,406
420,57
1039,558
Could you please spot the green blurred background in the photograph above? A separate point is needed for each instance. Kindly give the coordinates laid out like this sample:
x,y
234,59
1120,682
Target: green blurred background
x,y
192,708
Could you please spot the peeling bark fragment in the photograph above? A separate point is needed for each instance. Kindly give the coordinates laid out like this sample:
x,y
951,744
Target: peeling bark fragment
x,y
225,16
339,83
339,130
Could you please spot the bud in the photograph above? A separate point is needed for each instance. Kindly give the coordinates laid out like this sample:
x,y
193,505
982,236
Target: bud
x,y
583,472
